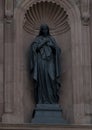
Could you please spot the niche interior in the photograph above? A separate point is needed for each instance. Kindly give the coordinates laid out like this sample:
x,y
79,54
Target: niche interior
x,y
57,20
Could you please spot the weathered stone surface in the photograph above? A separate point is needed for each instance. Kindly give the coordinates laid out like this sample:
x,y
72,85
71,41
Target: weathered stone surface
x,y
44,127
76,91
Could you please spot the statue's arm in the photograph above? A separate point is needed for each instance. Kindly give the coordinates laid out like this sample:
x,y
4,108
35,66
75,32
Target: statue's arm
x,y
52,43
42,43
37,45
34,47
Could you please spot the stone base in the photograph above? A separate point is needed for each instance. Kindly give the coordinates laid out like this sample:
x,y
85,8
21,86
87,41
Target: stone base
x,y
48,114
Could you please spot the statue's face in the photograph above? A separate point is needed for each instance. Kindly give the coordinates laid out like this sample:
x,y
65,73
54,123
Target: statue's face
x,y
44,30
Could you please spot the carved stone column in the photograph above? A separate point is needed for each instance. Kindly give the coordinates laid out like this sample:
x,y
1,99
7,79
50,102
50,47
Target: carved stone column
x,y
8,61
85,14
1,56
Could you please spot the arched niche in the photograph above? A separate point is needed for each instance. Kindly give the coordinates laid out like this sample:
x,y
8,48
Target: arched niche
x,y
57,20
24,98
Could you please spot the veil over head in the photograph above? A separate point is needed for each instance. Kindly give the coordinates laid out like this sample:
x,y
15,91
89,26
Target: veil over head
x,y
41,29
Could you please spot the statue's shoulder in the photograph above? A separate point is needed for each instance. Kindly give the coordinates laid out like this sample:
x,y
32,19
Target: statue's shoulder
x,y
34,41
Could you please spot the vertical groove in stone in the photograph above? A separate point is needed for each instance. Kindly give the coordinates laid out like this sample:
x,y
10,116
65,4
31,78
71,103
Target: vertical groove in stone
x,y
1,57
77,67
18,70
87,67
9,67
81,64
8,61
77,72
85,11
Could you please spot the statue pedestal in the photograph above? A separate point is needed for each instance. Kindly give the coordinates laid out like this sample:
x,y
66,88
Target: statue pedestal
x,y
48,114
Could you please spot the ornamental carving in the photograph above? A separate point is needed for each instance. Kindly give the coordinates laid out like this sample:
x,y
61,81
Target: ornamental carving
x,y
85,5
46,13
9,10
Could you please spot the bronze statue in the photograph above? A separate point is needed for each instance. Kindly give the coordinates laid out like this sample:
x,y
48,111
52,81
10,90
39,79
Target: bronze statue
x,y
45,67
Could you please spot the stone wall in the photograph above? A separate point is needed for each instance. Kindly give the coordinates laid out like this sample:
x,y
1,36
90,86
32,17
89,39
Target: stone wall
x,y
73,34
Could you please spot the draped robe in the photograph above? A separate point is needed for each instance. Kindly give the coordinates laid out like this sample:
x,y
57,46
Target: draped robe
x,y
45,69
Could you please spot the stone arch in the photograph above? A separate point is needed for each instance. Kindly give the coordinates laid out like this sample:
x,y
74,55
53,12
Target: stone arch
x,y
75,24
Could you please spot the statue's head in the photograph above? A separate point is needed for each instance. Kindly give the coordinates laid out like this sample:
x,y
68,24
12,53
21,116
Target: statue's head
x,y
44,30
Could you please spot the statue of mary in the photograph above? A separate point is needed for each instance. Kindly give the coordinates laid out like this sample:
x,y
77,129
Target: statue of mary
x,y
45,67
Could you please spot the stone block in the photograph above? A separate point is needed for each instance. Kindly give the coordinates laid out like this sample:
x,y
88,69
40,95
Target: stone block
x,y
48,114
44,127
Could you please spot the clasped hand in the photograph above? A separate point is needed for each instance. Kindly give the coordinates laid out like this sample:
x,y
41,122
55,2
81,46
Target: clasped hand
x,y
44,42
41,44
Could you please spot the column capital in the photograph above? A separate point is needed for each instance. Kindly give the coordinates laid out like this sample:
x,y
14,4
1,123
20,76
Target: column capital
x,y
85,12
9,8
